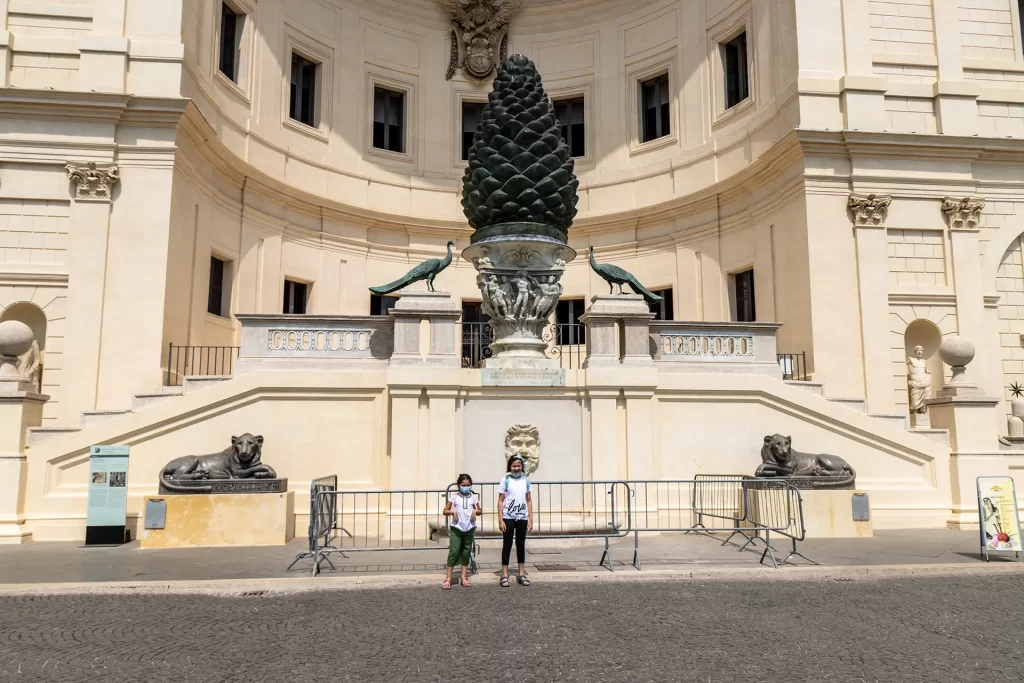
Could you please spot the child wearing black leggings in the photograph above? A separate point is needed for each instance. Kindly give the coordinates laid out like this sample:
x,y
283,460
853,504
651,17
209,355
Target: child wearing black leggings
x,y
515,518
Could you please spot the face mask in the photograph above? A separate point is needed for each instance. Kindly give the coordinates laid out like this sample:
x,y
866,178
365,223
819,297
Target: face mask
x,y
516,474
466,489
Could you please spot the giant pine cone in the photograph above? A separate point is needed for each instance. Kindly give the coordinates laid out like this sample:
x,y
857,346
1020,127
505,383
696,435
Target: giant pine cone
x,y
520,170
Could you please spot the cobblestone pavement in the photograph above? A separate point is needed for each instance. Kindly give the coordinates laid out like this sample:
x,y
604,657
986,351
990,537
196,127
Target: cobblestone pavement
x,y
956,628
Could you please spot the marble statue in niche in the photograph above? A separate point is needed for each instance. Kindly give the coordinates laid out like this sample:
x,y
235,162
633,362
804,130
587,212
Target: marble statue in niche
x,y
919,381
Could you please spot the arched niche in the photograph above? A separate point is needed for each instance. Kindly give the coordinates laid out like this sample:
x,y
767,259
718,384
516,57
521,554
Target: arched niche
x,y
31,315
926,334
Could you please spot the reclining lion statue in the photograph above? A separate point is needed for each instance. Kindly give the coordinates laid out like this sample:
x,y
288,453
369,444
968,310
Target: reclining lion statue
x,y
779,460
240,460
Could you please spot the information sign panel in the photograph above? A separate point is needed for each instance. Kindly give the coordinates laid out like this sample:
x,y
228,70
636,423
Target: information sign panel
x,y
108,495
999,524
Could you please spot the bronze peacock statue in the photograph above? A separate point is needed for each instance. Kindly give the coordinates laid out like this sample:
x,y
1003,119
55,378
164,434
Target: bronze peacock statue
x,y
427,270
614,275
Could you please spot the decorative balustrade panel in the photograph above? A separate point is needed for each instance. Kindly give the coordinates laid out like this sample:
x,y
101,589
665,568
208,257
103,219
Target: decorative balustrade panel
x,y
269,340
732,347
318,341
709,348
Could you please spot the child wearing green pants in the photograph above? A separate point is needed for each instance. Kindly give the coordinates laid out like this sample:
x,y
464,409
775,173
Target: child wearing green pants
x,y
463,508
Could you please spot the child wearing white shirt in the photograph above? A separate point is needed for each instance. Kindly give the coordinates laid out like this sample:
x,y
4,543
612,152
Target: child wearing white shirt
x,y
463,508
515,517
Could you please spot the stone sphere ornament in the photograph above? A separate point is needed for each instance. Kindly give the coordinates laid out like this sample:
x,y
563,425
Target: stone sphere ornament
x,y
956,352
15,339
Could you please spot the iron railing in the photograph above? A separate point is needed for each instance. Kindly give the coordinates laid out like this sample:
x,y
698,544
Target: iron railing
x,y
566,343
794,366
199,361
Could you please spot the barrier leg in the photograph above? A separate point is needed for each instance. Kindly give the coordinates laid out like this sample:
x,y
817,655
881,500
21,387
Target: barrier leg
x,y
636,550
606,555
473,566
299,557
797,553
768,550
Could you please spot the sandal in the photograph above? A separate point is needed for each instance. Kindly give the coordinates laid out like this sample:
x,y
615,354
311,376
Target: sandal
x,y
465,583
522,581
504,582
447,585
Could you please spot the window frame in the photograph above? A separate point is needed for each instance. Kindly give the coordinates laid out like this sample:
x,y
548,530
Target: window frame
x,y
306,284
409,113
666,308
389,94
227,275
575,318
718,36
295,106
734,294
462,126
742,68
661,109
311,50
246,10
656,66
568,100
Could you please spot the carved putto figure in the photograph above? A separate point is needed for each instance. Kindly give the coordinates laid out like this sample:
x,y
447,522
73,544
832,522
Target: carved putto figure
x,y
868,209
479,35
524,441
93,182
919,380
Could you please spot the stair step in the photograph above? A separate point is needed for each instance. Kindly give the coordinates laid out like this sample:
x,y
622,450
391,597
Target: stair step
x,y
895,419
140,401
202,382
91,418
817,388
37,435
858,404
940,435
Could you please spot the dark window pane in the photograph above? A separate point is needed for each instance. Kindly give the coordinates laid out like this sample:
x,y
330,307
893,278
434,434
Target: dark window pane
x,y
567,316
388,118
295,297
736,85
745,311
655,108
663,310
216,292
570,115
471,114
381,305
229,25
302,95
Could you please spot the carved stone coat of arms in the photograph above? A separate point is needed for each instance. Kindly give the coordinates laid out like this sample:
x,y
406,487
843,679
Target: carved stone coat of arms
x,y
479,35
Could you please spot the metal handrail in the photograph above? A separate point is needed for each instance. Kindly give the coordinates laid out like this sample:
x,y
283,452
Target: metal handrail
x,y
199,361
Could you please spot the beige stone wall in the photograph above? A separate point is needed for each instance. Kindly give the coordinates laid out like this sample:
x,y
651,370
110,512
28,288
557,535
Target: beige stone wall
x,y
1010,285
916,258
987,29
902,27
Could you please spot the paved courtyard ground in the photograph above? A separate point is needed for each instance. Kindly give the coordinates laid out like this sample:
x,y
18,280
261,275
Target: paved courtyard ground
x,y
962,627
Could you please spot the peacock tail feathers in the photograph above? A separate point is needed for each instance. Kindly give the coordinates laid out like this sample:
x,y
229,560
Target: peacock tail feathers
x,y
647,294
406,279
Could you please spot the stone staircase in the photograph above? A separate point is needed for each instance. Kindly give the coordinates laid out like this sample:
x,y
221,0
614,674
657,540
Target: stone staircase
x,y
140,402
860,405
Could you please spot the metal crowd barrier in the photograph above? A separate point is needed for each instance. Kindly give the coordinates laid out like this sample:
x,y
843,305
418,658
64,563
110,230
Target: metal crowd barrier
x,y
712,503
321,517
564,509
365,521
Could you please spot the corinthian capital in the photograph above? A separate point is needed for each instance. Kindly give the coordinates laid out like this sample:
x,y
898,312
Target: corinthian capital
x,y
92,182
869,209
962,214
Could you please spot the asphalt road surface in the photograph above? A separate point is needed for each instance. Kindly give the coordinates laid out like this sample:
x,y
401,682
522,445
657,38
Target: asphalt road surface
x,y
963,628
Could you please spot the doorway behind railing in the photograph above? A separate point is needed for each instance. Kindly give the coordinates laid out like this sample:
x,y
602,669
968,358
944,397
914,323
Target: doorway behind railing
x,y
566,343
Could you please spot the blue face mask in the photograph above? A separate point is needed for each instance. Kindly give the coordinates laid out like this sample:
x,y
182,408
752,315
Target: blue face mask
x,y
466,489
517,474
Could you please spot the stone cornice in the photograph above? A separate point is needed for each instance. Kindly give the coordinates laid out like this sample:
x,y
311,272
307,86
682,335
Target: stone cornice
x,y
112,108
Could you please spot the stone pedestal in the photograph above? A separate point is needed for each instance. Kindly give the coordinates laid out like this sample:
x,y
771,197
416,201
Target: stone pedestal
x,y
425,329
19,410
920,420
829,514
618,331
206,520
518,277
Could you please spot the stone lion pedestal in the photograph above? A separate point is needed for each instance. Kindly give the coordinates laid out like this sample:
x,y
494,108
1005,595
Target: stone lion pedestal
x,y
827,513
205,520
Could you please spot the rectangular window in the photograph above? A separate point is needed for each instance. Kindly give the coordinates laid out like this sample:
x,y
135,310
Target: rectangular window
x,y
654,108
295,296
215,299
388,116
570,118
231,24
743,295
477,335
664,309
382,305
471,113
734,58
302,102
567,316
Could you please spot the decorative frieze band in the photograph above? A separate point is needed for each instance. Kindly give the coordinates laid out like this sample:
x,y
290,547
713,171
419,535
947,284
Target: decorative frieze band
x,y
869,209
962,214
92,182
708,347
324,341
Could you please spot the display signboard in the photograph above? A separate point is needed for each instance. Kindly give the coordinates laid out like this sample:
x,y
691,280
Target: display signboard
x,y
998,520
108,495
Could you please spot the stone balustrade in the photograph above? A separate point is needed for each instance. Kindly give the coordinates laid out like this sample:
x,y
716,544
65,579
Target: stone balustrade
x,y
725,347
314,342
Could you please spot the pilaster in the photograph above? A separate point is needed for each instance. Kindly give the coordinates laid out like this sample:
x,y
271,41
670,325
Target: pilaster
x,y
425,329
956,106
868,213
103,65
962,216
604,452
624,315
